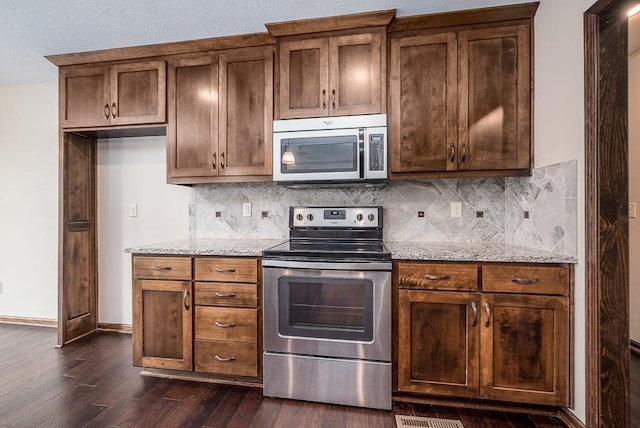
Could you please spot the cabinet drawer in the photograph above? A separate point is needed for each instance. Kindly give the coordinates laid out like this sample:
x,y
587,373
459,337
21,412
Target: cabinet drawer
x,y
226,270
234,324
230,358
223,294
527,279
162,267
438,276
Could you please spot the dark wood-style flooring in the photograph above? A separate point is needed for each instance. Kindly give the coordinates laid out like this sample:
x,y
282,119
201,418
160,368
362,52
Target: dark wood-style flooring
x,y
92,383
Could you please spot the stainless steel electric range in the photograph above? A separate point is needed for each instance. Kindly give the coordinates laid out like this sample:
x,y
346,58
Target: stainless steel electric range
x,y
327,309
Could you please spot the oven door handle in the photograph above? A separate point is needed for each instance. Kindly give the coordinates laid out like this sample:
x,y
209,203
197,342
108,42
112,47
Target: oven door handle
x,y
361,266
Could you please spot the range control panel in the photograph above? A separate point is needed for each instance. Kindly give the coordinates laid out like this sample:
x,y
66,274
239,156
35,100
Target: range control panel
x,y
345,217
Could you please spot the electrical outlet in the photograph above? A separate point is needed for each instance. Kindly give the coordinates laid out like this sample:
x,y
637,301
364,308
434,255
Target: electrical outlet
x,y
133,210
246,209
632,210
456,209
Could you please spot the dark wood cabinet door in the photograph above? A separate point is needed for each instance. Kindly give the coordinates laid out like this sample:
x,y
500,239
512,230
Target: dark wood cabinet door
x,y
355,67
423,99
245,111
84,97
438,334
162,324
304,78
192,131
525,349
78,283
495,98
138,93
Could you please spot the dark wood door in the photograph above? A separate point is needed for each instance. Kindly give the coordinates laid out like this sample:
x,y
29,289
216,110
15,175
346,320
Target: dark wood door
x,y
525,349
78,272
304,78
84,96
495,98
192,132
438,334
162,324
355,66
423,99
246,111
138,93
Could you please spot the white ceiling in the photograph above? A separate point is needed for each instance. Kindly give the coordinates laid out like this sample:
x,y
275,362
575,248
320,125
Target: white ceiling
x,y
31,29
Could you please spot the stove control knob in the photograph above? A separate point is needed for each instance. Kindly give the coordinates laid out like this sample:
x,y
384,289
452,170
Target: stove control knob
x,y
299,217
359,217
371,217
309,217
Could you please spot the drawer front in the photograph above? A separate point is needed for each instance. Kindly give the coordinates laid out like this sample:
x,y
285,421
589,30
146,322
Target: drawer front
x,y
233,324
229,358
162,267
226,269
527,279
438,276
223,294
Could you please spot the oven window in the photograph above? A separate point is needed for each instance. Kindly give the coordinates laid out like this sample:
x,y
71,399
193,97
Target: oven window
x,y
321,154
328,308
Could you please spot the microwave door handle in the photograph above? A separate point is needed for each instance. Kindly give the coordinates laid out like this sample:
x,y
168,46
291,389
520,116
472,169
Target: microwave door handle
x,y
361,152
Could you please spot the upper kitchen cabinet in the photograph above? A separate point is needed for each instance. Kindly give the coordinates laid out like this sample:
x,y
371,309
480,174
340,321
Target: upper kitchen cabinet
x,y
119,94
460,93
331,66
220,117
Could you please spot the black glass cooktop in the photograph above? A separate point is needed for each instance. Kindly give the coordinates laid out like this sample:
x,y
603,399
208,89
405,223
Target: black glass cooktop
x,y
329,250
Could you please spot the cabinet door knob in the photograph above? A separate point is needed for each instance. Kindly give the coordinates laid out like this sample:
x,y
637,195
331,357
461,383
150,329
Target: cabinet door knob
x,y
324,99
214,162
222,160
452,156
114,110
225,359
185,299
333,99
525,281
463,157
488,309
474,307
106,111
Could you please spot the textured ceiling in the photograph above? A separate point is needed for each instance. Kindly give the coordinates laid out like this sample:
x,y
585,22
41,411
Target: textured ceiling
x,y
30,29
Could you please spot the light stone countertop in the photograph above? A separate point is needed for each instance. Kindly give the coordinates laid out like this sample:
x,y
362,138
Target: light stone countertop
x,y
434,251
473,252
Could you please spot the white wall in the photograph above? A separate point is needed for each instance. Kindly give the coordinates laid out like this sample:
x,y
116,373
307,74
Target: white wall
x,y
133,171
634,195
28,173
29,201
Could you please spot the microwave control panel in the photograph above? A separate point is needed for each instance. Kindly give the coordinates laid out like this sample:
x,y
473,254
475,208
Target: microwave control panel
x,y
376,152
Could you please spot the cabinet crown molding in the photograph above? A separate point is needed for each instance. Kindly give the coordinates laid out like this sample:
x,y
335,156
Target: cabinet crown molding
x,y
331,23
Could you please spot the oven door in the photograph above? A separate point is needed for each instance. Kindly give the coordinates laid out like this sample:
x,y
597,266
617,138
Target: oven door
x,y
336,154
327,312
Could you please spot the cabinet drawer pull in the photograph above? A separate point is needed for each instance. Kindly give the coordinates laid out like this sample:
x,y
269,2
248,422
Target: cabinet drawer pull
x,y
106,111
161,267
219,294
324,99
525,281
186,299
114,110
488,309
436,278
225,359
474,307
219,324
213,163
452,157
230,270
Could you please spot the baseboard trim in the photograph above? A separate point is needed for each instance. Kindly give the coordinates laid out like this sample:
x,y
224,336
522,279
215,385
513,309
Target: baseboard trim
x,y
117,328
634,346
39,322
570,419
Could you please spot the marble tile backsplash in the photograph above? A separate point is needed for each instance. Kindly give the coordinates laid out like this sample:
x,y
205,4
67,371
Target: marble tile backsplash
x,y
538,212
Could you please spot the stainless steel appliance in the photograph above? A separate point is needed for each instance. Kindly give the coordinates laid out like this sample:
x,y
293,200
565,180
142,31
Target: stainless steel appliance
x,y
327,309
329,149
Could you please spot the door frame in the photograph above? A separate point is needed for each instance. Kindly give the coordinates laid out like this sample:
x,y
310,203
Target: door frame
x,y
606,216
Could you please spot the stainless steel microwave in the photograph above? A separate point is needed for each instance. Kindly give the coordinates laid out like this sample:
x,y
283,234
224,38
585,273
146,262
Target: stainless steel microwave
x,y
330,149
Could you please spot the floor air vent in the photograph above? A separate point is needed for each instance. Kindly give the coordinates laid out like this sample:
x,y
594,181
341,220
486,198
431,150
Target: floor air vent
x,y
417,421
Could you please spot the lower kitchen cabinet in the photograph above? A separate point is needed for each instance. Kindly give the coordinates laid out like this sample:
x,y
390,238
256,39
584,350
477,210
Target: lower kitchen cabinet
x,y
197,314
506,346
162,313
